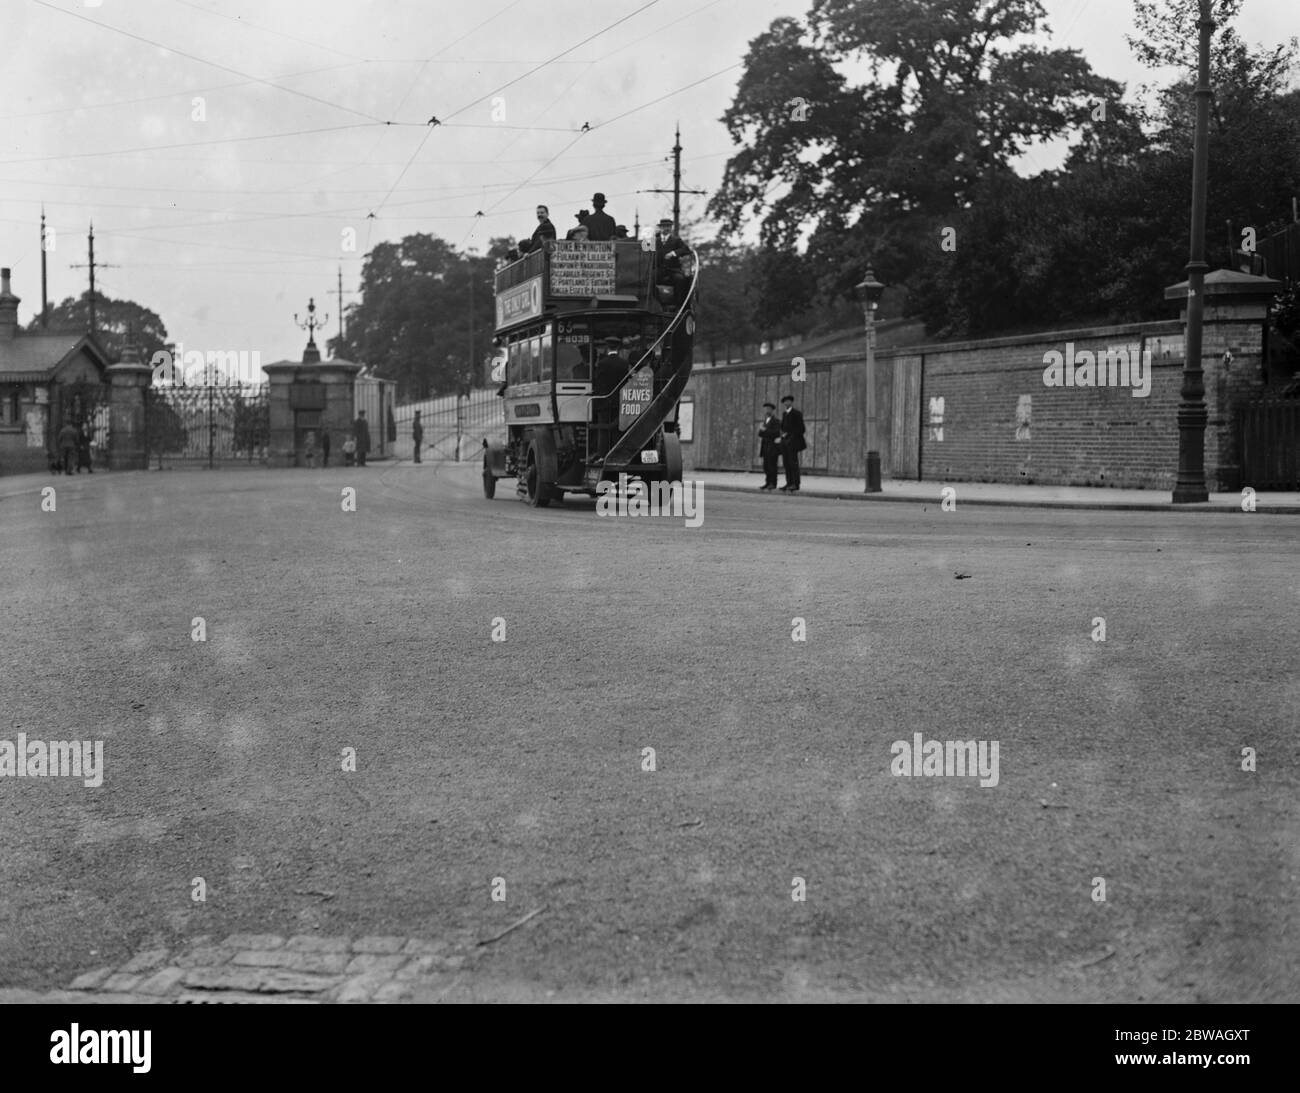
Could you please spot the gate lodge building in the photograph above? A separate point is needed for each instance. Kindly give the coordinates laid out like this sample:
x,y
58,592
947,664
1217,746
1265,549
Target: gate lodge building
x,y
45,380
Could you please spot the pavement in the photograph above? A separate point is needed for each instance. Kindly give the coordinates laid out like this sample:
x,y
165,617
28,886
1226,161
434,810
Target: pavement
x,y
1002,493
623,758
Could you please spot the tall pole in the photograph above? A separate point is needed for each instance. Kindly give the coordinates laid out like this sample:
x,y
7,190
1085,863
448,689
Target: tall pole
x,y
45,300
92,277
340,306
677,190
92,265
1192,415
677,179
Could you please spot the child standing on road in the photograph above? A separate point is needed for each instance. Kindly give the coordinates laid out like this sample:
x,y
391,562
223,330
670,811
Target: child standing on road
x,y
349,451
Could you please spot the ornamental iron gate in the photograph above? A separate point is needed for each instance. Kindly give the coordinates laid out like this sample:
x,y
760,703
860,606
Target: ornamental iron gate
x,y
85,406
227,423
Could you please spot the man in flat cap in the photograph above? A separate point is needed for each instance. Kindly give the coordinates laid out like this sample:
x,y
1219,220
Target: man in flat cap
x,y
769,439
600,225
792,443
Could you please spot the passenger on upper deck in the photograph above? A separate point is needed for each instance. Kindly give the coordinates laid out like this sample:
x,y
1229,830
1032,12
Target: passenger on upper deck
x,y
669,246
579,234
545,230
600,225
582,216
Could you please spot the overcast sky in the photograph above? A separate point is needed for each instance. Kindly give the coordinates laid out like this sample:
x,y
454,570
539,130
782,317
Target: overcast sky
x,y
225,223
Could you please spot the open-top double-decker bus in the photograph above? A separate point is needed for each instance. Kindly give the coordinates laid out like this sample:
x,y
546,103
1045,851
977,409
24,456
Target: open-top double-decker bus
x,y
568,317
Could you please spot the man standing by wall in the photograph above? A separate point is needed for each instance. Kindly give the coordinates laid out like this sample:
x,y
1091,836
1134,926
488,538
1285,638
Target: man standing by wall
x,y
792,443
417,435
362,431
769,436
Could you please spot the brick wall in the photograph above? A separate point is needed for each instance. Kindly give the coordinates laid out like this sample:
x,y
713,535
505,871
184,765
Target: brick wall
x,y
988,416
982,412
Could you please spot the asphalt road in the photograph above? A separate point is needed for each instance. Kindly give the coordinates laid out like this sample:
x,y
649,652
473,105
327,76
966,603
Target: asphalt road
x,y
522,759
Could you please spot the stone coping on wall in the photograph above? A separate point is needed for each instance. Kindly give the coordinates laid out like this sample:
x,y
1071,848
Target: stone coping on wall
x,y
1161,326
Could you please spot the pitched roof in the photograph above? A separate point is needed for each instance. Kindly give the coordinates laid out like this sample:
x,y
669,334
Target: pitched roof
x,y
30,358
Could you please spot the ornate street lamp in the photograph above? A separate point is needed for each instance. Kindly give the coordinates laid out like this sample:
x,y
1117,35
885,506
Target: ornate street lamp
x,y
311,324
870,290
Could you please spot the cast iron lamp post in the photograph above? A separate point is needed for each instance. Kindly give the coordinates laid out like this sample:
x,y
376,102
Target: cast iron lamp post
x,y
1192,415
870,290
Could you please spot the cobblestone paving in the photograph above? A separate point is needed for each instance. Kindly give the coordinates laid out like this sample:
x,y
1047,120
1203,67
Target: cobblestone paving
x,y
270,968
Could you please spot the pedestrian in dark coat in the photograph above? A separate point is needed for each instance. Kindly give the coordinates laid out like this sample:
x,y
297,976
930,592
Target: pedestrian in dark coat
x,y
606,380
769,439
68,446
417,435
361,429
83,450
325,447
600,225
792,443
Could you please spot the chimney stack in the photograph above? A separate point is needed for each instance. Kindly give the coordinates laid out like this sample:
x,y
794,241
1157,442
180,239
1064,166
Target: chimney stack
x,y
8,308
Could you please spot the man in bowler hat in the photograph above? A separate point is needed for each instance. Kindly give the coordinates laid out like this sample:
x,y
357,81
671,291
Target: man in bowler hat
x,y
792,443
600,225
769,437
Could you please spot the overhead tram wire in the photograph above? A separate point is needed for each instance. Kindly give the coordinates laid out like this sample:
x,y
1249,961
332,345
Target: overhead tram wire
x,y
175,94
511,83
653,102
190,144
205,61
267,30
370,221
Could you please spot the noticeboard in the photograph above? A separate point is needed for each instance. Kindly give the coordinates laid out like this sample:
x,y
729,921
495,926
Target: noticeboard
x,y
582,269
634,397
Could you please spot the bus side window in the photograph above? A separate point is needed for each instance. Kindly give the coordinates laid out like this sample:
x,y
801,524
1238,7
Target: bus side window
x,y
571,362
545,343
525,361
534,359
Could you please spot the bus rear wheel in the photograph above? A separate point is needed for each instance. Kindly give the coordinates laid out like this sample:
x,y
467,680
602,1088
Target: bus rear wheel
x,y
539,472
672,457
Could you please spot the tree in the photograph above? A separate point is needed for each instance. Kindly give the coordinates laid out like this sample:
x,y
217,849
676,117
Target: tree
x,y
952,98
415,313
1099,240
113,320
